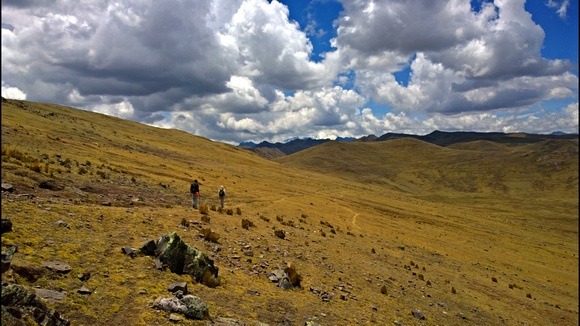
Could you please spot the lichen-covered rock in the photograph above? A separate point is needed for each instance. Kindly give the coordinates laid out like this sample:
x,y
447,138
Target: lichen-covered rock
x,y
7,256
20,303
182,258
189,305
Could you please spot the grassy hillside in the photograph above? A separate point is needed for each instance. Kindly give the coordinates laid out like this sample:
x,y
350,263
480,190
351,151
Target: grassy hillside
x,y
465,235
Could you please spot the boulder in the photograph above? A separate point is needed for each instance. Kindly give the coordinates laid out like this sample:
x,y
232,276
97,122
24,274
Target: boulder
x,y
20,305
182,258
189,305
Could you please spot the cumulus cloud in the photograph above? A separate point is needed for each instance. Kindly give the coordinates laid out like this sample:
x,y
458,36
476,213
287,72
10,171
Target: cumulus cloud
x,y
467,61
238,70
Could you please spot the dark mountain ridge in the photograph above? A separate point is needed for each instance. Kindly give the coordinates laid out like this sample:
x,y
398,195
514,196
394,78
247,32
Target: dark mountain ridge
x,y
440,138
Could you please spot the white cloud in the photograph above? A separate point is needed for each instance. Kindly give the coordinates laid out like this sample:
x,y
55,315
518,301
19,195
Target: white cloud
x,y
12,92
561,7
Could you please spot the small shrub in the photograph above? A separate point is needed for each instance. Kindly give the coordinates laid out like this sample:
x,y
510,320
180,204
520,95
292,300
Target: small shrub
x,y
428,283
293,276
203,209
209,280
210,235
421,277
453,290
511,286
230,211
184,222
82,170
238,211
213,207
264,218
322,233
246,224
304,216
279,218
494,280
220,210
36,167
384,289
205,219
529,295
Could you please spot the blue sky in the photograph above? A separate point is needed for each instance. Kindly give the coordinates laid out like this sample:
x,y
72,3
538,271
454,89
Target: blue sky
x,y
254,70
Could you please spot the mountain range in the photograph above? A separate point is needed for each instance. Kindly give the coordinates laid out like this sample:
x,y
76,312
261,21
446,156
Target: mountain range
x,y
440,138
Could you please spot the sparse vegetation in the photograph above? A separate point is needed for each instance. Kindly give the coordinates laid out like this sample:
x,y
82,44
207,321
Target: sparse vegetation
x,y
409,207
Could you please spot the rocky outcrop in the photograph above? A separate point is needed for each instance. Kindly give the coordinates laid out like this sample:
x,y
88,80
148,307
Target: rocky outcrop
x,y
181,258
20,304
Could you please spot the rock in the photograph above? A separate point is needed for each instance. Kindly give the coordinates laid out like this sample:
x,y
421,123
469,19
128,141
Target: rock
x,y
417,314
285,284
175,318
62,223
148,248
280,234
190,306
84,290
130,251
7,256
50,295
7,187
57,266
6,225
20,305
84,276
179,286
182,258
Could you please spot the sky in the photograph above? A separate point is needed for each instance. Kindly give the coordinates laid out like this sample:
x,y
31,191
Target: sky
x,y
257,70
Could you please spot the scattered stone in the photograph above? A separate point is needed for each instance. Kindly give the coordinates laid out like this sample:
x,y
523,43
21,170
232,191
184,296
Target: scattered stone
x,y
7,187
130,251
62,224
57,266
253,292
175,318
417,314
7,256
84,290
21,305
280,234
142,292
190,306
6,225
106,203
50,295
179,286
84,276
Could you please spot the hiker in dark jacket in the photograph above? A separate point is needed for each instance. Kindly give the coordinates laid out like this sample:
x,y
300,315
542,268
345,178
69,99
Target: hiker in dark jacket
x,y
194,190
222,195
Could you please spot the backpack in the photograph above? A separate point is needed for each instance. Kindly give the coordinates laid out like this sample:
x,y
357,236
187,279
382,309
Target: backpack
x,y
222,193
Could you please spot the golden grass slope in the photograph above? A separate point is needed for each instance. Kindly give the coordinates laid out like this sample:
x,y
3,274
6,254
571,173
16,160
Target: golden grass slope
x,y
467,236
